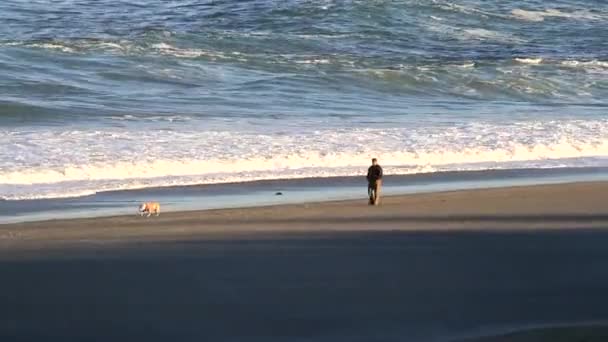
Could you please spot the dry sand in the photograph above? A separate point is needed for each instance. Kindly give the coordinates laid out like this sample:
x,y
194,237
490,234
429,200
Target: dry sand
x,y
425,267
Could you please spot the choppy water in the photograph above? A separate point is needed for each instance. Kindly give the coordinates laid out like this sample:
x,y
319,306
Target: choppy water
x,y
107,94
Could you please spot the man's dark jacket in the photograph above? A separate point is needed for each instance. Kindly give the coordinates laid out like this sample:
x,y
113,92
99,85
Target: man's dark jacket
x,y
373,174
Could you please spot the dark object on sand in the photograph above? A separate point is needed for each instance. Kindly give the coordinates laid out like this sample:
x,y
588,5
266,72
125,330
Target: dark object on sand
x,y
278,193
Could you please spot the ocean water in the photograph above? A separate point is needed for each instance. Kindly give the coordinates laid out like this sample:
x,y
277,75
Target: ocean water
x,y
104,95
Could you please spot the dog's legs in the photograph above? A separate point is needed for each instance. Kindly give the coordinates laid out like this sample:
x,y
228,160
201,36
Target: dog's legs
x,y
149,213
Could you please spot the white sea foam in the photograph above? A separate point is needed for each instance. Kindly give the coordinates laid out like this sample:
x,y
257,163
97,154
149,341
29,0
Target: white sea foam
x,y
112,46
122,47
529,60
53,46
314,61
11,43
484,34
548,13
151,118
168,49
451,6
35,165
73,46
474,33
304,164
586,64
466,65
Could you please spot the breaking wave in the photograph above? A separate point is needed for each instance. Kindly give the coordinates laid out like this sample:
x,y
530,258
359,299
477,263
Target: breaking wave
x,y
115,160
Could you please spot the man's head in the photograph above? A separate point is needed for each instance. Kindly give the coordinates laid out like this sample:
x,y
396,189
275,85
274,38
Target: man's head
x,y
374,161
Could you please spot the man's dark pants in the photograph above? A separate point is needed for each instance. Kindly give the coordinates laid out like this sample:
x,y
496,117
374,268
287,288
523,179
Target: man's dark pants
x,y
373,190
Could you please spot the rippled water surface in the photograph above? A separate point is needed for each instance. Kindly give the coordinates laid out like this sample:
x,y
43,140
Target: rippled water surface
x,y
106,94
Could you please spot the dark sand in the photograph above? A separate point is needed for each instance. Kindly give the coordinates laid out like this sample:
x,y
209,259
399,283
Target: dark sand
x,y
585,333
427,267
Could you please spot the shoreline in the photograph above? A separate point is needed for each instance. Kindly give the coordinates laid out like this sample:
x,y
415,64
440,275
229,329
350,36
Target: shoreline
x,y
294,191
577,205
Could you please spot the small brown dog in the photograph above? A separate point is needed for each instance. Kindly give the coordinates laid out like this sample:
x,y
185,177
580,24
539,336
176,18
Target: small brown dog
x,y
149,208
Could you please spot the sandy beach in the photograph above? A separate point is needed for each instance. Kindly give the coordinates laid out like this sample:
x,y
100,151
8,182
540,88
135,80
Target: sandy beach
x,y
427,267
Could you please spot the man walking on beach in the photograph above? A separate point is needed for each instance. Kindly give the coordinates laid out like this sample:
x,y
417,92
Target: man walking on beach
x,y
374,182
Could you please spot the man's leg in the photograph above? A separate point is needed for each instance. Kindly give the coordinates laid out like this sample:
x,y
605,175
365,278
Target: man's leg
x,y
377,192
370,193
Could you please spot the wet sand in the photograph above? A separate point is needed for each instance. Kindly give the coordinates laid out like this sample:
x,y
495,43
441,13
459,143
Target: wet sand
x,y
426,267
